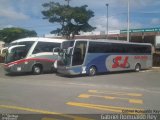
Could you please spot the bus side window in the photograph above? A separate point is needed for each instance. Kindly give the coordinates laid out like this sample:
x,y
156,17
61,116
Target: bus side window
x,y
45,47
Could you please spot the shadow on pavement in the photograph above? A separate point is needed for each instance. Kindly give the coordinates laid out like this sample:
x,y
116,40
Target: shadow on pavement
x,y
100,74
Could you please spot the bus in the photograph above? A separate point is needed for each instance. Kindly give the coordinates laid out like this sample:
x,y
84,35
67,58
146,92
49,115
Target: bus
x,y
33,54
99,56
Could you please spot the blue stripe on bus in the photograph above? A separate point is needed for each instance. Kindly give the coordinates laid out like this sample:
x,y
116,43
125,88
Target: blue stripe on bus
x,y
98,60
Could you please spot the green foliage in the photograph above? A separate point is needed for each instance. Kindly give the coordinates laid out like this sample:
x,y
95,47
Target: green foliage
x,y
10,34
72,19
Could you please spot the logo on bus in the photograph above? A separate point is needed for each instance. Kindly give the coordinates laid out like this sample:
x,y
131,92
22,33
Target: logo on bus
x,y
119,62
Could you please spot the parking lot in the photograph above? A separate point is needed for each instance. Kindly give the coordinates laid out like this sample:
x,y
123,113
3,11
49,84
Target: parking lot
x,y
54,94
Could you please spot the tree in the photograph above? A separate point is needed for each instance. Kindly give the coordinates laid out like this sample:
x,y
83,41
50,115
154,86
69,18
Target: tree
x,y
71,19
10,34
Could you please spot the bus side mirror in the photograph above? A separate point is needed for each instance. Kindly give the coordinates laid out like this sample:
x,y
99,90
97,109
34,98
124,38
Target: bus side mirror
x,y
56,50
4,51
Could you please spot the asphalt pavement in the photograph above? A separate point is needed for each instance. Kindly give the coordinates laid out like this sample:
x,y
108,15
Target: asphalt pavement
x,y
53,94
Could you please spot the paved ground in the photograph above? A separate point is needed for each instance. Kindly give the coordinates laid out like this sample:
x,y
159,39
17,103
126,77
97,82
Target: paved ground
x,y
53,94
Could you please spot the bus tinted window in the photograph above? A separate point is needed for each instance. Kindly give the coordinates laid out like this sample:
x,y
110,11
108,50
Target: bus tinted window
x,y
106,47
45,47
99,47
139,48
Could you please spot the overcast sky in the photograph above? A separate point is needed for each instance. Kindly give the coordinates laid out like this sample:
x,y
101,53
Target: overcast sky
x,y
27,14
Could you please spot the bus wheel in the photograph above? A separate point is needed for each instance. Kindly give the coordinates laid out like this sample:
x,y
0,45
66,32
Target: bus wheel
x,y
92,71
37,69
137,67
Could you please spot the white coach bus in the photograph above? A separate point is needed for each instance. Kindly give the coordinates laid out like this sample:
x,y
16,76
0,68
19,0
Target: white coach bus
x,y
33,54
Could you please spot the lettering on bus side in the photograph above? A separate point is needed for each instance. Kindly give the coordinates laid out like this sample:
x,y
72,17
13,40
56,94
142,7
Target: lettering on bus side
x,y
120,62
141,57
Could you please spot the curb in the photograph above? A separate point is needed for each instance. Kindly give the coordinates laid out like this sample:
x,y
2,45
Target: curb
x,y
155,68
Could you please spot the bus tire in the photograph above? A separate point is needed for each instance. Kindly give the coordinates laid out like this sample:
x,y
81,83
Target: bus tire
x,y
92,71
37,69
137,67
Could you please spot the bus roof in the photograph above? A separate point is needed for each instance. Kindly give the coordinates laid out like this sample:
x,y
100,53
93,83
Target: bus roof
x,y
112,41
40,39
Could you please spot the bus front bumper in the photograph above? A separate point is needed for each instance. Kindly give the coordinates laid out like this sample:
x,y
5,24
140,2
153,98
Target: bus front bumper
x,y
66,71
13,68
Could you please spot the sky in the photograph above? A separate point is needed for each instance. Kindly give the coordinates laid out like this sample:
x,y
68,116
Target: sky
x,y
27,14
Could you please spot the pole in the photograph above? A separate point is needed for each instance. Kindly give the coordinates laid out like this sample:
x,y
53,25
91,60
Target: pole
x,y
128,21
107,19
67,2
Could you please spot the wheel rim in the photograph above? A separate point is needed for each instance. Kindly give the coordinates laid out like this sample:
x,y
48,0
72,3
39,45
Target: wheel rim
x,y
137,68
37,70
92,71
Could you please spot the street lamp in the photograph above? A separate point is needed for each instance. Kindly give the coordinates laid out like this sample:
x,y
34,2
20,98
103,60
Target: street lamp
x,y
128,22
107,19
68,2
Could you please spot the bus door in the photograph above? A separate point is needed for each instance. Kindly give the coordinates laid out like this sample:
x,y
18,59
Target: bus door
x,y
79,54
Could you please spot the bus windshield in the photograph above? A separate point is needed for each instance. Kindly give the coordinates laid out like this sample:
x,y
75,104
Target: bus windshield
x,y
16,53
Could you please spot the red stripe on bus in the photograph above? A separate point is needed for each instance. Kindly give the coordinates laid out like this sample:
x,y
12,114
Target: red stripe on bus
x,y
27,60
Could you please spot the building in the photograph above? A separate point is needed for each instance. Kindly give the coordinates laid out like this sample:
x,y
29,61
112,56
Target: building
x,y
147,35
1,44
